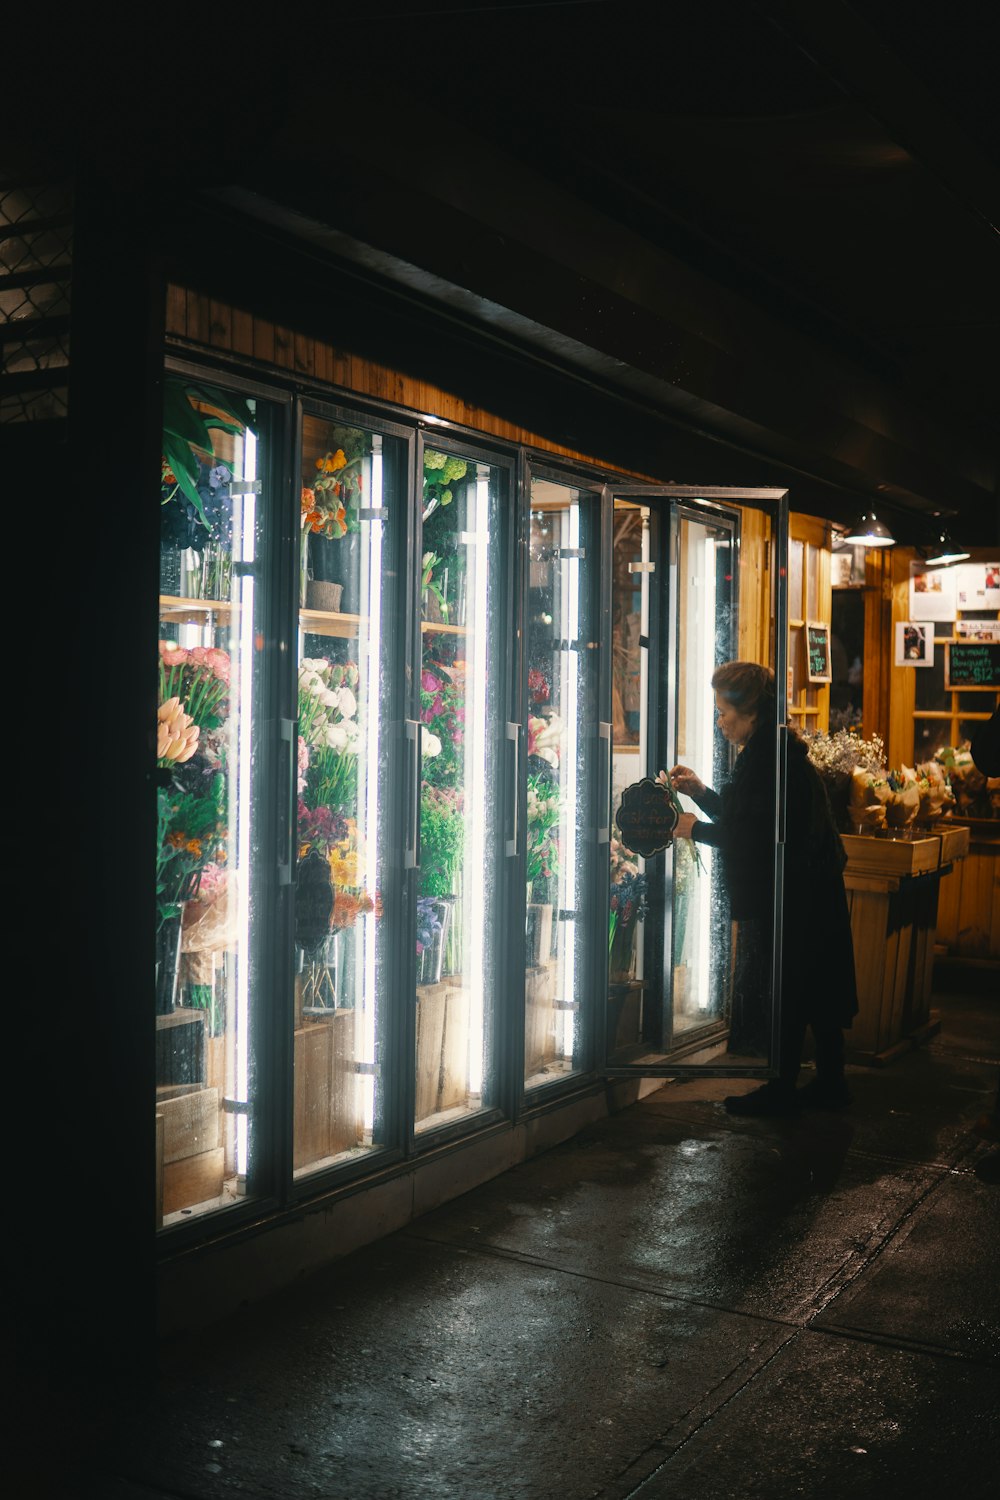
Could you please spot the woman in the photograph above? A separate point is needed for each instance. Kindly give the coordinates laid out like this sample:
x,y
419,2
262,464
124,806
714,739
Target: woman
x,y
818,981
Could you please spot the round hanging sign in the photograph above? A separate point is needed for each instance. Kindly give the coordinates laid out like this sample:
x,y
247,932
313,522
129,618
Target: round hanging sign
x,y
646,817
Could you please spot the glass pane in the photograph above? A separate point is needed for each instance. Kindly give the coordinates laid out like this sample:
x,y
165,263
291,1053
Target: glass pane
x,y
352,493
847,649
562,698
795,572
929,689
214,444
930,735
460,694
701,926
797,679
812,582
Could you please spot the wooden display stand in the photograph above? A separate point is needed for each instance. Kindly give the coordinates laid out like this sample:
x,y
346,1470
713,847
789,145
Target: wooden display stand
x,y
969,914
893,887
327,1103
442,1075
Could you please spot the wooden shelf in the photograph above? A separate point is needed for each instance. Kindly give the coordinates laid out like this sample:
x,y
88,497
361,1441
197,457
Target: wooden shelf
x,y
434,627
181,611
327,622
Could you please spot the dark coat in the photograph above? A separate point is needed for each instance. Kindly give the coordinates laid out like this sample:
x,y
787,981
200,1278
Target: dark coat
x,y
817,948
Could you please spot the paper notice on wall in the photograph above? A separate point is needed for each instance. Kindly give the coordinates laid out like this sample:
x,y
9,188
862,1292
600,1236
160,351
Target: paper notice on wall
x,y
932,593
977,630
978,585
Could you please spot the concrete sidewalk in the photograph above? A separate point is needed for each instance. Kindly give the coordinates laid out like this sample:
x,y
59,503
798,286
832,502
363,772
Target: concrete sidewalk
x,y
675,1303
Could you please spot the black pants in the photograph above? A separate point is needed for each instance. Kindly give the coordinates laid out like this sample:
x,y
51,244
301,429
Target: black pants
x,y
829,1039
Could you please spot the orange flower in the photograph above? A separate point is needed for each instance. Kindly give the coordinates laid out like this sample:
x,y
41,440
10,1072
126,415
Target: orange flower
x,y
307,499
334,461
193,846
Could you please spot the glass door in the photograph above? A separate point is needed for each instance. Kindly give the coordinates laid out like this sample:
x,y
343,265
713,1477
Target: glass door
x,y
694,967
560,735
347,901
216,516
460,746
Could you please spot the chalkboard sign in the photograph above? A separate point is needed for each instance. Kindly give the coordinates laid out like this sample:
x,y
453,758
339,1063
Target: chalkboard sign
x,y
818,652
646,817
972,664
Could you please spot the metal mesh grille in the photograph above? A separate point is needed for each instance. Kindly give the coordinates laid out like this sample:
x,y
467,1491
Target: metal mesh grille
x,y
36,259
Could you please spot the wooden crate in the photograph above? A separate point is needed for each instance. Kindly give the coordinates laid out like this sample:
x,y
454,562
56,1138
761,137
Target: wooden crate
x,y
539,1017
327,1104
194,1179
442,1062
867,855
191,1120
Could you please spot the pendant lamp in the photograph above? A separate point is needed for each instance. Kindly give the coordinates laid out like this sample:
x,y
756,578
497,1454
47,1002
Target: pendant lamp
x,y
944,551
869,531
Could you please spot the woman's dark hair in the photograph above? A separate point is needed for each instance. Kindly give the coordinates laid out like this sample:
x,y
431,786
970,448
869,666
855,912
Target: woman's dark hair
x,y
748,687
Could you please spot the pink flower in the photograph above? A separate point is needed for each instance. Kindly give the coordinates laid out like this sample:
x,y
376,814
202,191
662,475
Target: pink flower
x,y
172,654
430,683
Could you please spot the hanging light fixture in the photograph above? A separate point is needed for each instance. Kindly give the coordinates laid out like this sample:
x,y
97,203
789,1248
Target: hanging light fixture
x,y
944,551
869,531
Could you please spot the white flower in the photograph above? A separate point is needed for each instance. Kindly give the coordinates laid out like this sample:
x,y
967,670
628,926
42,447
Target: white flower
x,y
430,744
328,699
336,737
347,703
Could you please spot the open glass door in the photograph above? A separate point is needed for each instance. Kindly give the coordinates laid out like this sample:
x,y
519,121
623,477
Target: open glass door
x,y
697,581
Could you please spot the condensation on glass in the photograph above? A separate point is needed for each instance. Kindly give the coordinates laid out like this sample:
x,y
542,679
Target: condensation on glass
x,y
462,603
562,665
349,507
210,513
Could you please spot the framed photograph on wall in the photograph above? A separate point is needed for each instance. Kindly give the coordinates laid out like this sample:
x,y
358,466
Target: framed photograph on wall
x,y
818,651
914,643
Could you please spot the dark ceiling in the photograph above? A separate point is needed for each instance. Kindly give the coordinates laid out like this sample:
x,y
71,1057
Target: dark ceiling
x,y
834,168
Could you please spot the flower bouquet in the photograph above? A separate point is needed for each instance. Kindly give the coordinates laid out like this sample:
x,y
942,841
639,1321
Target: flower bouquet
x,y
329,734
935,798
854,774
442,713
628,905
976,795
542,842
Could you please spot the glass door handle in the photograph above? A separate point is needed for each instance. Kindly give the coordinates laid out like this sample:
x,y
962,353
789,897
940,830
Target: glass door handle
x,y
289,732
604,783
412,730
514,738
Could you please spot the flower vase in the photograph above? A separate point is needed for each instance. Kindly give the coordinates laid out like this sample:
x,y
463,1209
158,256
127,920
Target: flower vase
x,y
168,959
325,975
538,934
336,560
453,587
621,958
170,570
216,571
431,961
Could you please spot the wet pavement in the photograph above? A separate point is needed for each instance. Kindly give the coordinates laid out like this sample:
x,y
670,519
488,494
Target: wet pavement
x,y
675,1303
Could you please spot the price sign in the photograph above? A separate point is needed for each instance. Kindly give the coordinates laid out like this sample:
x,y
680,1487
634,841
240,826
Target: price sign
x,y
818,651
972,664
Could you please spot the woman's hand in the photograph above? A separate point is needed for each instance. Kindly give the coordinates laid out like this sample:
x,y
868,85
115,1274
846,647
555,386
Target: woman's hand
x,y
684,827
683,779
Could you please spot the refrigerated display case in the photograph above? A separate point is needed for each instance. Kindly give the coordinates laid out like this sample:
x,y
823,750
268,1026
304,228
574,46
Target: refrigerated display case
x,y
403,677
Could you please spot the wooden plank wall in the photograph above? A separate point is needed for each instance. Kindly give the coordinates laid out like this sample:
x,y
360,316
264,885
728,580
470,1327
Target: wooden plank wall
x,y
213,325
